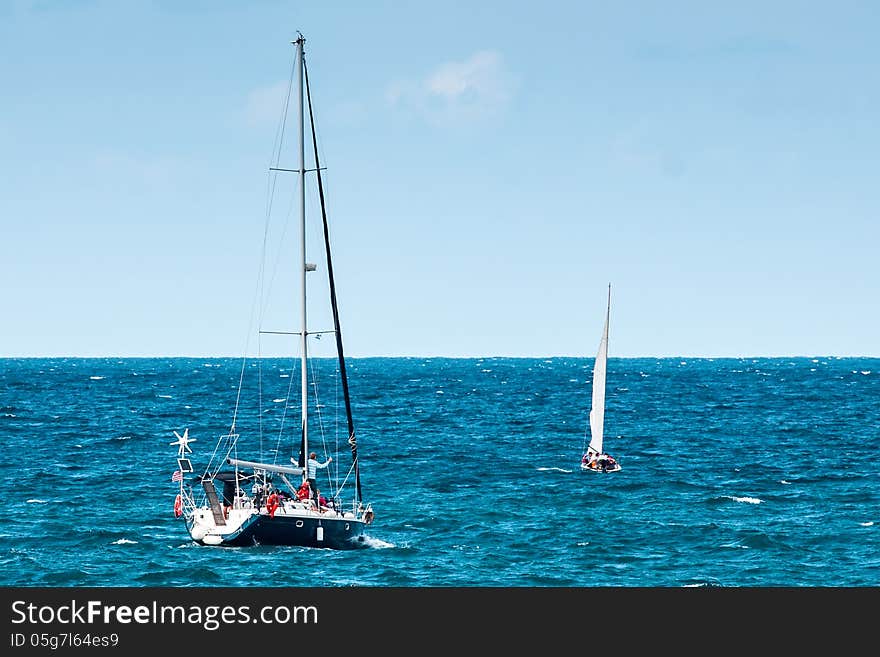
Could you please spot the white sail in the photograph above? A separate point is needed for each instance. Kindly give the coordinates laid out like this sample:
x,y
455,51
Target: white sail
x,y
597,412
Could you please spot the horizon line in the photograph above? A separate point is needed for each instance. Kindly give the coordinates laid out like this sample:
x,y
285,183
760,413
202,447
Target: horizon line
x,y
445,356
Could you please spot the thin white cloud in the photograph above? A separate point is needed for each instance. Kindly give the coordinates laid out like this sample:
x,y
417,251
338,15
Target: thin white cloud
x,y
471,89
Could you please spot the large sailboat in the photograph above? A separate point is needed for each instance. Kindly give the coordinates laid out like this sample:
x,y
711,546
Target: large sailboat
x,y
271,498
594,458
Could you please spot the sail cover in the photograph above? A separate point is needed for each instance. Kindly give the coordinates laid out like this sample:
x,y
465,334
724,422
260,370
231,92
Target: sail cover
x,y
597,412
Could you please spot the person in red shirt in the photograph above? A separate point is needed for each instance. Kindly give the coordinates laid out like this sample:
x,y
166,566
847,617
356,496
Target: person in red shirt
x,y
272,504
304,492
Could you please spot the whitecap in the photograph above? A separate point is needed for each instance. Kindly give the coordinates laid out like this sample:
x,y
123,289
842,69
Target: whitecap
x,y
866,372
784,482
36,500
124,541
548,469
279,400
750,500
284,376
867,524
699,585
164,396
439,392
583,543
96,378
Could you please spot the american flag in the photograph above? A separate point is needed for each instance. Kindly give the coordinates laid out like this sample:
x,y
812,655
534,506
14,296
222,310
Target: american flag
x,y
177,476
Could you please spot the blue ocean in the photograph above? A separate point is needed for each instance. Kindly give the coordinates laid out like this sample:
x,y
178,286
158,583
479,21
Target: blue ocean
x,y
737,472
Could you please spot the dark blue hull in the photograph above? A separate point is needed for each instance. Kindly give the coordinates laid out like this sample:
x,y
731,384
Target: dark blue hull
x,y
332,533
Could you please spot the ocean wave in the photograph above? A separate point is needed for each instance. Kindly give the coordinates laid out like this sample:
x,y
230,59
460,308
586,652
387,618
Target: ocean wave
x,y
747,500
704,584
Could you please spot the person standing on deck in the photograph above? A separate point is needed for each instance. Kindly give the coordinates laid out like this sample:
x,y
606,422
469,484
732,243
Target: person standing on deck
x,y
312,472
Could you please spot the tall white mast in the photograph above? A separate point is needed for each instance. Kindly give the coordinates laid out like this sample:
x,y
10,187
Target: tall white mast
x,y
302,217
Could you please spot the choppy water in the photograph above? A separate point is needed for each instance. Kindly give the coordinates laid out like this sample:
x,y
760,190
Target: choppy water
x,y
736,472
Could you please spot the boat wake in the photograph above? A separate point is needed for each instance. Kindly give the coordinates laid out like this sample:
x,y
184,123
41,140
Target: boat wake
x,y
377,543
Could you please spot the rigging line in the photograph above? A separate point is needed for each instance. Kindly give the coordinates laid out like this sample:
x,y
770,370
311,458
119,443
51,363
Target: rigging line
x,y
282,121
256,316
320,415
277,261
336,424
265,286
260,393
336,325
208,471
272,184
290,380
272,179
276,155
345,479
257,311
260,297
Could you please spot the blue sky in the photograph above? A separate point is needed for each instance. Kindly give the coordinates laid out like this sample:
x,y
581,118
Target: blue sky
x,y
491,167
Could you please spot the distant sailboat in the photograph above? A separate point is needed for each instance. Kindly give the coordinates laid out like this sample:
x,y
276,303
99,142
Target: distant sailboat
x,y
595,459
